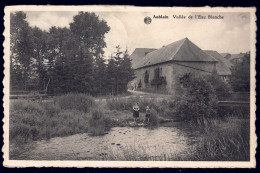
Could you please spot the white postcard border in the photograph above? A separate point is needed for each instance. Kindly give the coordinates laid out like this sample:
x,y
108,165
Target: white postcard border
x,y
141,164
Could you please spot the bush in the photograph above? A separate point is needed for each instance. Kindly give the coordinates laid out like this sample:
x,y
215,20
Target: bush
x,y
98,124
222,89
80,102
240,78
34,121
197,100
27,106
21,132
34,131
154,118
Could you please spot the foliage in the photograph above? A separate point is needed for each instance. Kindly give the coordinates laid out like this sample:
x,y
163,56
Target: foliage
x,y
74,101
119,72
100,77
154,118
240,78
222,89
98,124
22,47
158,80
197,100
35,121
64,60
224,140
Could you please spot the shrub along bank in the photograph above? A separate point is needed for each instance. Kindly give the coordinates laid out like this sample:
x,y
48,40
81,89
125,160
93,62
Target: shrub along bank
x,y
67,115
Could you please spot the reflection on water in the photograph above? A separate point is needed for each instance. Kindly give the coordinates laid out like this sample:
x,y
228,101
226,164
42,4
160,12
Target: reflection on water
x,y
154,142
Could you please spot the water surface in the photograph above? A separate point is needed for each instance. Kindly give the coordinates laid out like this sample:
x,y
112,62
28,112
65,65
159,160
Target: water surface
x,y
121,143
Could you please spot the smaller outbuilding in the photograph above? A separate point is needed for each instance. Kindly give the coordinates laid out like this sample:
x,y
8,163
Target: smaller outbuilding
x,y
223,65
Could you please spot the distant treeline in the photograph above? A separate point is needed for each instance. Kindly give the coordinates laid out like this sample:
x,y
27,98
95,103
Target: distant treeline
x,y
64,60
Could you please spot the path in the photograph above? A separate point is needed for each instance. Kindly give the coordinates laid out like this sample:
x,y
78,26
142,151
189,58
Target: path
x,y
140,94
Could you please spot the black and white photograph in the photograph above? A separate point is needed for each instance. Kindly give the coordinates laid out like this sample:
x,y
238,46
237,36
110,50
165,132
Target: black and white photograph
x,y
129,86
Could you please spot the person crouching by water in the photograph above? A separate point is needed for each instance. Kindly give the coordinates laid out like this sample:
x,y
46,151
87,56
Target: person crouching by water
x,y
135,111
147,114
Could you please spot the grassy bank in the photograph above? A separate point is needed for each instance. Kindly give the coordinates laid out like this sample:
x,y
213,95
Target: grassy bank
x,y
223,137
66,115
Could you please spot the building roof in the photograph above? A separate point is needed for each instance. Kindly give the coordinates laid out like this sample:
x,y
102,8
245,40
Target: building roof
x,y
138,54
223,65
225,55
182,50
235,56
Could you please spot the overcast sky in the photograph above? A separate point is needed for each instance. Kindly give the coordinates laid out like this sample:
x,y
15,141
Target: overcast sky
x,y
231,34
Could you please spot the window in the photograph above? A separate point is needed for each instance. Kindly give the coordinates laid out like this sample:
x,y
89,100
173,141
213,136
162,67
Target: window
x,y
146,77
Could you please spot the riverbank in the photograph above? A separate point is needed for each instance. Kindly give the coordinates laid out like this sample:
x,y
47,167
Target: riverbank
x,y
178,142
64,116
223,138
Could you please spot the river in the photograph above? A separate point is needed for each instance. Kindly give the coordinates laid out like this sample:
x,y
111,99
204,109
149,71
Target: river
x,y
120,143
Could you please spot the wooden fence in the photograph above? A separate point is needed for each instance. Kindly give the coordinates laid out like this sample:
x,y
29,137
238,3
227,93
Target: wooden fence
x,y
235,99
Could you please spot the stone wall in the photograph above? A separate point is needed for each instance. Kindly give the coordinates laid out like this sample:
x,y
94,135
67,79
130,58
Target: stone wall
x,y
166,71
172,72
180,69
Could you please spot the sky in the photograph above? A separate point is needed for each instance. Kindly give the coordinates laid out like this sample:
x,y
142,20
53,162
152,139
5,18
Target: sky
x,y
228,35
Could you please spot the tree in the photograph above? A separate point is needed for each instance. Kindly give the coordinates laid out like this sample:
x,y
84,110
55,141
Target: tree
x,y
126,71
89,33
240,75
119,72
197,100
39,38
223,89
65,59
22,47
100,76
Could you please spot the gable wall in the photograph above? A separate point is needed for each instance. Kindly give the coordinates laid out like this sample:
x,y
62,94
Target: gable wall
x,y
179,71
172,72
166,71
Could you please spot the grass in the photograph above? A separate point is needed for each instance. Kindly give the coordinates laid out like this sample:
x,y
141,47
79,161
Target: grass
x,y
225,140
138,153
32,121
98,123
154,118
67,115
222,138
72,101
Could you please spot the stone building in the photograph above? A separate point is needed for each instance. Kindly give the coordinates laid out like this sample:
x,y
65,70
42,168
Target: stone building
x,y
223,65
162,69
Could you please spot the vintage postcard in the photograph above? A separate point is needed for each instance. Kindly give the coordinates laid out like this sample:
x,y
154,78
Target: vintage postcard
x,y
125,86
